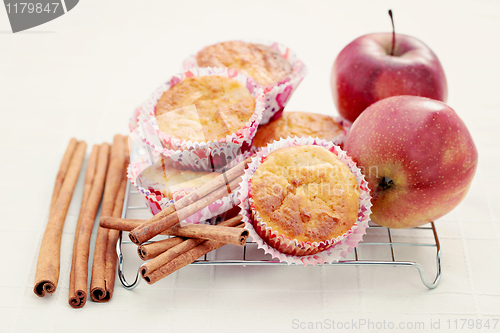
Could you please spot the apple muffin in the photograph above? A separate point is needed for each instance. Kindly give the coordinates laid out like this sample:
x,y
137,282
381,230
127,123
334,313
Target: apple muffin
x,y
299,124
166,178
263,63
204,108
303,193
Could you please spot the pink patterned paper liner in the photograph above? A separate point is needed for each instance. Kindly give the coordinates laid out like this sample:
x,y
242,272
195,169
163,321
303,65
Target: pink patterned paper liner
x,y
156,201
198,156
276,95
341,246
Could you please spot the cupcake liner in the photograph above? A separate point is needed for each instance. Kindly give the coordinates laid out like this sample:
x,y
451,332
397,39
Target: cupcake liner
x,y
331,251
156,201
179,158
276,95
198,156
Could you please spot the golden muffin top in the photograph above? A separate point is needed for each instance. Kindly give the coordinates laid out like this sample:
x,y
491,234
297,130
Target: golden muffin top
x,y
306,193
298,124
204,108
164,176
263,63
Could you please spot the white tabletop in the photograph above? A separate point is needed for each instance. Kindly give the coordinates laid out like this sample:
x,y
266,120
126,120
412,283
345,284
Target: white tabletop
x,y
82,75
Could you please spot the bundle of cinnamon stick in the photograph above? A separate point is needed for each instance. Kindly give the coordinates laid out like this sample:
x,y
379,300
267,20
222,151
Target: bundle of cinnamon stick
x,y
106,170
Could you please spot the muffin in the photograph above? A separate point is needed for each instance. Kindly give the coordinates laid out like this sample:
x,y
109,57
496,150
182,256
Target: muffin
x,y
306,195
204,118
204,108
299,124
273,66
260,62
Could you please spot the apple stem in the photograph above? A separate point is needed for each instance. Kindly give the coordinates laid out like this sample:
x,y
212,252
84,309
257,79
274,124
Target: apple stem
x,y
386,183
393,33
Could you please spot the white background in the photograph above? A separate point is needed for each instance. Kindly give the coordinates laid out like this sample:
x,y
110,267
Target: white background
x,y
82,75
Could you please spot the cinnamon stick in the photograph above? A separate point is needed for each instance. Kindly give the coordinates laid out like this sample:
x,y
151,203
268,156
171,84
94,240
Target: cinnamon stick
x,y
78,293
182,260
222,180
111,222
111,255
206,231
180,249
148,230
63,169
98,289
149,251
170,254
89,179
48,265
227,235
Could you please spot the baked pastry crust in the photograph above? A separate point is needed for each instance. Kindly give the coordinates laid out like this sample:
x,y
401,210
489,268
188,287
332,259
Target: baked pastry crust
x,y
204,108
298,124
263,63
306,193
168,179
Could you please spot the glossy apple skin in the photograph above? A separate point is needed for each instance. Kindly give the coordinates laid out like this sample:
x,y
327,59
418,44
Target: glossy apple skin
x,y
424,147
364,72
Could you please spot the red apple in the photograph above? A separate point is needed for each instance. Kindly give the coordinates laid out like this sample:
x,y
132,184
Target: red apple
x,y
417,156
365,72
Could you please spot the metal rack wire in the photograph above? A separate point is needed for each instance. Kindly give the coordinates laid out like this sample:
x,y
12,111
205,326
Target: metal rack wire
x,y
242,259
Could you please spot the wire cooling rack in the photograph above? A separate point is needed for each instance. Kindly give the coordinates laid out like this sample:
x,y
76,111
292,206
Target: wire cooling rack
x,y
381,246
